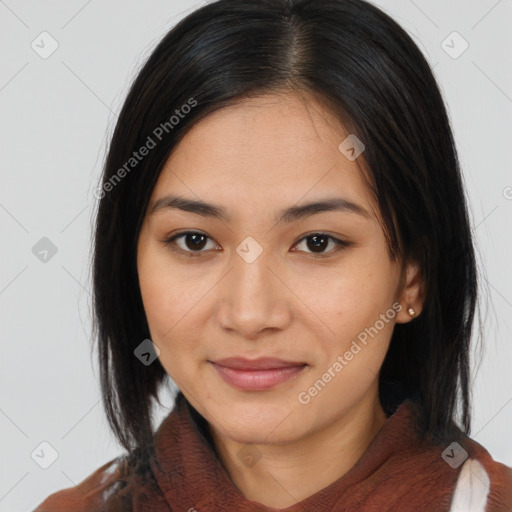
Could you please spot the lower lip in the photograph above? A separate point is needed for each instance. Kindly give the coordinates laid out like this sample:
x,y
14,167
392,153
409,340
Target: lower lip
x,y
257,380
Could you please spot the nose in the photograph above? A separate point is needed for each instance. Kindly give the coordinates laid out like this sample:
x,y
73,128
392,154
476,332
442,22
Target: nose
x,y
253,298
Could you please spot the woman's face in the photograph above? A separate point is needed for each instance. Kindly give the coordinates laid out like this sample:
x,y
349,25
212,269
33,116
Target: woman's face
x,y
259,286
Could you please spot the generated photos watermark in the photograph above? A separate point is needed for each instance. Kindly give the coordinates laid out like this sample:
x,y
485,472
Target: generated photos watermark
x,y
305,397
151,142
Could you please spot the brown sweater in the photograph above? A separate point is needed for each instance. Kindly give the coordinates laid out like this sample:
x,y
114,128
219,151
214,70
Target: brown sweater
x,y
396,473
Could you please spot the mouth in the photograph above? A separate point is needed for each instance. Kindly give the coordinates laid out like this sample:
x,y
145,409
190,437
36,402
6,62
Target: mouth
x,y
256,374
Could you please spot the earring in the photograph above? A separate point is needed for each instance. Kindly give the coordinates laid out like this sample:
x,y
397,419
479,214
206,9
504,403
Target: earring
x,y
411,311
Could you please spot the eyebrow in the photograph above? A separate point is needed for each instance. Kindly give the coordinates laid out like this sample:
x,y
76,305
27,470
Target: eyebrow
x,y
287,215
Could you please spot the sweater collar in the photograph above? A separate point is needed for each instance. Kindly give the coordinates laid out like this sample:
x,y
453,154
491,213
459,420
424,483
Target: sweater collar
x,y
191,476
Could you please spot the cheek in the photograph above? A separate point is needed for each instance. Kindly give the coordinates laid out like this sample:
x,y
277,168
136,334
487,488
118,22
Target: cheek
x,y
158,300
171,299
163,296
165,293
356,305
354,295
165,310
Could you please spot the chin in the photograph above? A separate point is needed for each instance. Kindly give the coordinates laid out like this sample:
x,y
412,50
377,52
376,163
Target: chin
x,y
259,434
260,423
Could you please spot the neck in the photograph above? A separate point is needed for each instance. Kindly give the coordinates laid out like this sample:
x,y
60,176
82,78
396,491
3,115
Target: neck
x,y
289,473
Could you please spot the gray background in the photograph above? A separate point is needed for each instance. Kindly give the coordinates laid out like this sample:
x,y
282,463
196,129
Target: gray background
x,y
56,116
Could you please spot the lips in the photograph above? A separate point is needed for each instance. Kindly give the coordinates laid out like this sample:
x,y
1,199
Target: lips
x,y
256,374
263,363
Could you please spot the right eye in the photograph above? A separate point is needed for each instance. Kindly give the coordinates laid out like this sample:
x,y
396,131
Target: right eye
x,y
192,243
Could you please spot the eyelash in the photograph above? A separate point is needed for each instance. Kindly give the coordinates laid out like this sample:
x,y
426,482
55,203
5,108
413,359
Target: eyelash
x,y
170,242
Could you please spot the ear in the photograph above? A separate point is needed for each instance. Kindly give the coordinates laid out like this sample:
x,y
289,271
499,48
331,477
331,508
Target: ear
x,y
411,293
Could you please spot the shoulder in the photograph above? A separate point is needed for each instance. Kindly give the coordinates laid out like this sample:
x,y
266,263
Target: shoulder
x,y
106,484
454,474
483,484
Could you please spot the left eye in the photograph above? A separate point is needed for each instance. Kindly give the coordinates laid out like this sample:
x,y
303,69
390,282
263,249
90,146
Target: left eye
x,y
195,241
320,241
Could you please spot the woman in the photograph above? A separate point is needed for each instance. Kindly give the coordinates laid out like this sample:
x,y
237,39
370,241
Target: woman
x,y
283,232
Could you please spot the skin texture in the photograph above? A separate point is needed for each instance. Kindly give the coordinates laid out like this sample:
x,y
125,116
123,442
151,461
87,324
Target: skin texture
x,y
255,158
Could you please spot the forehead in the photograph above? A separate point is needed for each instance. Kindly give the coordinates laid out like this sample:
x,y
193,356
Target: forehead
x,y
268,150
